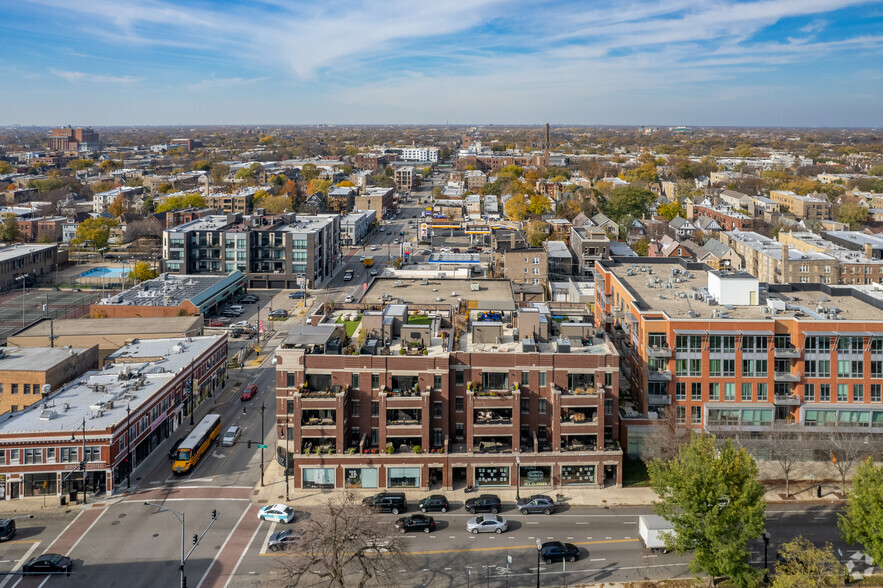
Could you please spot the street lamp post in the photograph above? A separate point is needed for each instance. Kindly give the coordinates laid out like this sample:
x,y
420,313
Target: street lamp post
x,y
285,467
261,443
766,570
128,451
196,538
83,462
539,549
24,280
517,478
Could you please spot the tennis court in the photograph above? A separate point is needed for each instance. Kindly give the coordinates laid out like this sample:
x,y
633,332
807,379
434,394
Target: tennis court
x,y
39,304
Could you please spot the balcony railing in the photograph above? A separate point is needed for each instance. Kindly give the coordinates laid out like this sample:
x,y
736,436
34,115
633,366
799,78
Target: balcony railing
x,y
786,352
786,400
786,377
659,376
317,422
403,422
658,399
326,393
655,351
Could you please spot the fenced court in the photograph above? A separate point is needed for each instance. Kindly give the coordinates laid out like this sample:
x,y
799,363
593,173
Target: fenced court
x,y
42,303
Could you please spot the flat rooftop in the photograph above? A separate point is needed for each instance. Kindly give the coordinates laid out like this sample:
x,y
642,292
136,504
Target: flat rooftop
x,y
413,291
25,359
139,371
678,301
173,289
16,251
773,248
116,326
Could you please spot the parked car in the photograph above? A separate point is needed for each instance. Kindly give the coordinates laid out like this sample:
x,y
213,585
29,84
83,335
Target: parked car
x,y
393,502
173,451
484,503
415,522
281,513
237,332
434,502
248,299
279,313
348,298
489,523
229,312
248,392
236,307
372,272
395,241
281,540
374,248
553,551
297,295
241,324
530,506
455,250
213,323
7,529
231,436
48,563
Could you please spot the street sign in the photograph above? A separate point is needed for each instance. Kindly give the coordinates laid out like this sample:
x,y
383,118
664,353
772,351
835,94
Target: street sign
x,y
261,446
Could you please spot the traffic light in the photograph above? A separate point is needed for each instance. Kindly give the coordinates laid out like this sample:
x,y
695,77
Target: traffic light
x,y
195,539
249,443
214,515
244,411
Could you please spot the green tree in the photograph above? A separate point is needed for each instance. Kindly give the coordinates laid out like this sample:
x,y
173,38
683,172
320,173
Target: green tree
x,y
202,165
165,188
95,231
713,499
80,164
278,180
108,165
309,171
46,185
852,214
218,172
743,150
516,208
274,204
877,170
627,200
642,247
9,229
803,565
538,205
537,231
192,200
245,174
5,168
863,521
142,272
671,210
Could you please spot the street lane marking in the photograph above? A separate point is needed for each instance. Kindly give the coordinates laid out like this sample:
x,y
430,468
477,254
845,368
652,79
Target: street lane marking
x,y
269,533
244,551
581,523
21,562
630,522
86,532
223,545
599,559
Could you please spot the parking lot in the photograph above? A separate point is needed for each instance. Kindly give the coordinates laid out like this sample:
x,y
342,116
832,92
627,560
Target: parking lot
x,y
17,309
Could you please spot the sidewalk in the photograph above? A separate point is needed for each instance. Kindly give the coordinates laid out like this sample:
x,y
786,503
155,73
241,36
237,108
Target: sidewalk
x,y
273,491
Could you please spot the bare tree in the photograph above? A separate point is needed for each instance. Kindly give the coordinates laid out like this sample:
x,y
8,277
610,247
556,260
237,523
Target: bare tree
x,y
667,437
786,448
848,447
344,544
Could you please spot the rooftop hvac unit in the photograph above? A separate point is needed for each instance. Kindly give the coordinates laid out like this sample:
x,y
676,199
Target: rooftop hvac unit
x,y
693,313
563,345
528,345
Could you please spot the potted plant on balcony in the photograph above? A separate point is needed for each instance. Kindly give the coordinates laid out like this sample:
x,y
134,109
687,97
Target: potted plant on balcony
x,y
579,390
418,449
390,449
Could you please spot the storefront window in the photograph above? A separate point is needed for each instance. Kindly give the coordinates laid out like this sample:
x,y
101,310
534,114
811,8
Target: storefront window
x,y
360,477
318,478
498,476
404,477
536,475
573,475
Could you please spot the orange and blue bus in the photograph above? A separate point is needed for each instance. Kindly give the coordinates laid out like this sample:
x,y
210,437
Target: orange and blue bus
x,y
197,443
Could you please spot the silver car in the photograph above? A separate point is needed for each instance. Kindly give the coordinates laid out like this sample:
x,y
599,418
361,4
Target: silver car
x,y
489,523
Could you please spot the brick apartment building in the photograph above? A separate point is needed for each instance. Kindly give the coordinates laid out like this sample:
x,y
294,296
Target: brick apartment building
x,y
427,405
802,207
24,372
35,260
96,430
726,355
777,263
380,200
70,139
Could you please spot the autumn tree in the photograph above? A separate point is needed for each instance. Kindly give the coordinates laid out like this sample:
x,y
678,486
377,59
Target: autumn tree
x,y
118,206
863,520
9,229
671,210
96,231
665,441
274,204
108,165
786,449
516,208
5,168
202,165
642,247
278,180
346,184
218,172
537,231
142,272
803,565
191,200
344,545
715,503
266,140
309,171
568,209
645,173
317,185
539,205
80,164
852,214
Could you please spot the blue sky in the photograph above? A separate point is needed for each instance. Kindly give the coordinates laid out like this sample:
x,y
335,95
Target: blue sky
x,y
664,62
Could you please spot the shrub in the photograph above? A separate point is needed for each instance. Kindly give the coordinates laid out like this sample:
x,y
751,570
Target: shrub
x,y
390,450
426,352
401,351
417,449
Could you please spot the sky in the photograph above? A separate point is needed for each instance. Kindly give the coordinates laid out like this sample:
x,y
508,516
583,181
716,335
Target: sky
x,y
816,63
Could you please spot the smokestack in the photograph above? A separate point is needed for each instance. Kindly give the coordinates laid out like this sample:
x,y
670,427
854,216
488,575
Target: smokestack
x,y
869,251
784,253
548,141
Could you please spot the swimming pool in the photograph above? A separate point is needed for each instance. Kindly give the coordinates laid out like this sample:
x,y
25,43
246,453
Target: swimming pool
x,y
106,272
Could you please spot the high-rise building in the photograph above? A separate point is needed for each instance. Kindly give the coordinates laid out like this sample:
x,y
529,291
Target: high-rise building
x,y
71,139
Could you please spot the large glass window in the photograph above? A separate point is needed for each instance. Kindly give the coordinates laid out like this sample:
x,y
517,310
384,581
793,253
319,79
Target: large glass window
x,y
492,476
575,381
404,477
495,380
360,477
536,475
318,478
575,475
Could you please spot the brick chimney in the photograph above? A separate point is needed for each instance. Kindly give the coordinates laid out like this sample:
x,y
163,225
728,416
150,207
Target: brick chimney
x,y
869,251
784,253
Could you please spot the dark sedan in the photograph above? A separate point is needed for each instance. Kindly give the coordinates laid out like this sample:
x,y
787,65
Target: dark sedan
x,y
553,551
279,541
48,563
484,503
415,522
434,502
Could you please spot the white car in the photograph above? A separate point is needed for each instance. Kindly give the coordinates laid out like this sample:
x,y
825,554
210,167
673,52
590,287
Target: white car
x,y
349,298
395,241
241,324
489,523
374,248
280,513
373,272
231,436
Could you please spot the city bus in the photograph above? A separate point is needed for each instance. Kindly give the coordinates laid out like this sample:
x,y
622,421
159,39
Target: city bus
x,y
197,443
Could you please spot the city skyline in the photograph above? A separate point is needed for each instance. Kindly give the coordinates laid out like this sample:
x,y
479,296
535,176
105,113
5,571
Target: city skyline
x,y
763,63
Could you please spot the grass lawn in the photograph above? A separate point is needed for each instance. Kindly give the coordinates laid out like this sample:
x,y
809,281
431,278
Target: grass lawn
x,y
351,326
419,320
634,474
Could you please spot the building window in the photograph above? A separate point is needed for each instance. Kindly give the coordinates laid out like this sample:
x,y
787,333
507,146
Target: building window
x,y
824,392
437,382
525,378
608,406
50,453
525,405
858,392
355,405
680,391
13,456
761,392
33,456
458,404
27,389
14,389
542,376
746,392
608,379
69,454
437,410
809,393
714,391
458,378
437,439
875,393
842,392
696,415
458,432
696,391
355,381
375,381
541,406
375,408
289,380
681,414
729,391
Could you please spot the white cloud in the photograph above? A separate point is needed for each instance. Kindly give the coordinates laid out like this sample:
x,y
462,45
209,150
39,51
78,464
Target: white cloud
x,y
78,76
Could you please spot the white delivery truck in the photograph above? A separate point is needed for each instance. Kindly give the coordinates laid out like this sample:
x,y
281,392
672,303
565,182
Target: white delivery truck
x,y
650,529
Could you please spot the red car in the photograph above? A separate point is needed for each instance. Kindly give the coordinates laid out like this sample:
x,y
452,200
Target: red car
x,y
249,392
214,323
